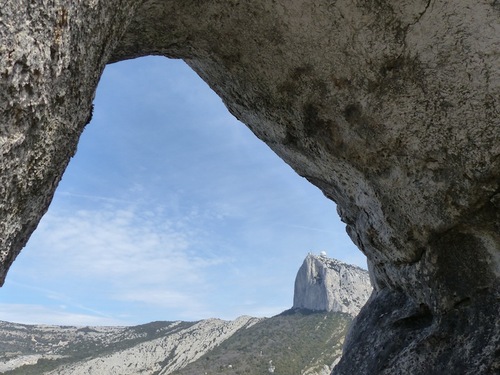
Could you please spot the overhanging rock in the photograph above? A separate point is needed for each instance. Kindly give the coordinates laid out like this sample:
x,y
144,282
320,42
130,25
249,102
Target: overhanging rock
x,y
391,108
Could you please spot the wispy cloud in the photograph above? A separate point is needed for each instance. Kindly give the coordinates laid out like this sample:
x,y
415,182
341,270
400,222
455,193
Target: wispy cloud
x,y
113,243
122,254
91,197
189,305
38,314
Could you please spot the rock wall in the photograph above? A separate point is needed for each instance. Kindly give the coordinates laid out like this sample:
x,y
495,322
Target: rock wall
x,y
390,107
325,284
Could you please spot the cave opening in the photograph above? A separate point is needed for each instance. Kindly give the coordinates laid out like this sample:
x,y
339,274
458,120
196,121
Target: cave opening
x,y
171,209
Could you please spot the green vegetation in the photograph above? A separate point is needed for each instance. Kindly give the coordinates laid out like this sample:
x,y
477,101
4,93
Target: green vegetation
x,y
293,341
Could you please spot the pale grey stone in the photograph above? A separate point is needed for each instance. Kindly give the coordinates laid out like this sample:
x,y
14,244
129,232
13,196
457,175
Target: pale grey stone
x,y
325,284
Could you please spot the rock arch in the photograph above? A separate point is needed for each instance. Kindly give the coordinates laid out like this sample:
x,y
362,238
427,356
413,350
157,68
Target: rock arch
x,y
390,107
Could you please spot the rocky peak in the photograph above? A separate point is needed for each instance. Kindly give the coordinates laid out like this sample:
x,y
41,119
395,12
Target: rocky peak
x,y
326,284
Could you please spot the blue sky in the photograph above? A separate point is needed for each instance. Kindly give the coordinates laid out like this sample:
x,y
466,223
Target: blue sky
x,y
170,210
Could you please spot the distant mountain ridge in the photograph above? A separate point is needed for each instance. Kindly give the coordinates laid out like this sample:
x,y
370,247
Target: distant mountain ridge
x,y
157,348
298,341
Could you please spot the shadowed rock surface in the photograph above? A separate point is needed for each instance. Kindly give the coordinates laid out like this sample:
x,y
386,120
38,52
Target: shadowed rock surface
x,y
389,107
325,284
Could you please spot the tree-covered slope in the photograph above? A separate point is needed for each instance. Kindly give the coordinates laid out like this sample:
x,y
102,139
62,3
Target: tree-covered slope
x,y
297,342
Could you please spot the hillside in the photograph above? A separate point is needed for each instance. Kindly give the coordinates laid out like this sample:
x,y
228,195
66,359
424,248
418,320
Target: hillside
x,y
36,349
294,342
148,348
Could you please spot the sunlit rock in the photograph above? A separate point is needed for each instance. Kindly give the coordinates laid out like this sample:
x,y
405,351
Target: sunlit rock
x,y
325,284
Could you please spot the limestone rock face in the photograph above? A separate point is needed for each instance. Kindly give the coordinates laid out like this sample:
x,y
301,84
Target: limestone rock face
x,y
390,107
324,284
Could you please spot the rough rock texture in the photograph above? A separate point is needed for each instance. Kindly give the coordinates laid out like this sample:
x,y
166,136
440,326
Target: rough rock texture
x,y
325,284
390,107
393,335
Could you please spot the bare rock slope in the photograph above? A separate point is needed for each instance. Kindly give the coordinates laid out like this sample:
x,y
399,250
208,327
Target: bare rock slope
x,y
154,348
325,284
390,107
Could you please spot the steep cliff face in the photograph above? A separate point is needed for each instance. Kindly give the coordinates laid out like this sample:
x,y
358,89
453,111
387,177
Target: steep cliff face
x,y
324,284
390,107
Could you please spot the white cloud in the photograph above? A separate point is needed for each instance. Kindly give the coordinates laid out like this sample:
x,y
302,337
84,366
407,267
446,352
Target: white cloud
x,y
122,254
165,262
188,305
119,242
37,314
